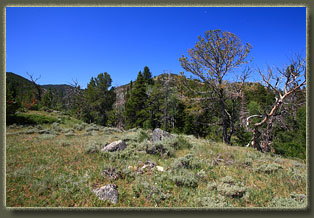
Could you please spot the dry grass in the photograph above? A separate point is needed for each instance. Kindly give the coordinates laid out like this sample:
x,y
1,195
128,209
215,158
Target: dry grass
x,y
57,172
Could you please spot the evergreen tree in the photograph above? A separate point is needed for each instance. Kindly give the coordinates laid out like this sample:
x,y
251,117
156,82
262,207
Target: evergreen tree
x,y
100,97
135,106
47,99
148,76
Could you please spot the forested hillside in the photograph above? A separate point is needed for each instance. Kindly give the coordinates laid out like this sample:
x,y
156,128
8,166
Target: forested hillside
x,y
269,115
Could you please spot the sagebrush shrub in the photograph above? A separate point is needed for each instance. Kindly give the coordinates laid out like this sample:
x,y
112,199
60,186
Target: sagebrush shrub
x,y
268,168
189,161
184,177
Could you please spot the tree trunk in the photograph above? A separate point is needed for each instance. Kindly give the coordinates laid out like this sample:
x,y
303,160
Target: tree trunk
x,y
224,118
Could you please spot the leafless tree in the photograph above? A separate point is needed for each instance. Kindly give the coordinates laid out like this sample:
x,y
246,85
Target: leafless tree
x,y
215,56
289,80
37,86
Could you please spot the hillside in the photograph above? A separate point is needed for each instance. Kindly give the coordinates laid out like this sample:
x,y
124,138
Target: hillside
x,y
61,165
62,88
22,83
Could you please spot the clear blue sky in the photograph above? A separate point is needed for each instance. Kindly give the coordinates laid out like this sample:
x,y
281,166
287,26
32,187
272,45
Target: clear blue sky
x,y
62,44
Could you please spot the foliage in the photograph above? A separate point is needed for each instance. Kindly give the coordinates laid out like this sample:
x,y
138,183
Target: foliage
x,y
135,106
293,143
24,119
100,97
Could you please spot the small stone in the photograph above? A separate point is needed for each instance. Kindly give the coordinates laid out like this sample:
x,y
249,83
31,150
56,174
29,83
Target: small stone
x,y
159,168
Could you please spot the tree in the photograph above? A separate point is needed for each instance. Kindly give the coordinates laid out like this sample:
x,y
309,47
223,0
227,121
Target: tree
x,y
37,86
11,103
100,97
135,106
47,99
147,75
294,78
215,56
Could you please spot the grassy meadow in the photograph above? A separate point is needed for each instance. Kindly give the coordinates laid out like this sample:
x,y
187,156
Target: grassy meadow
x,y
59,163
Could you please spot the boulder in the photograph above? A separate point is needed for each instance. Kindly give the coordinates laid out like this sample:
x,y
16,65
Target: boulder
x,y
115,146
108,192
159,134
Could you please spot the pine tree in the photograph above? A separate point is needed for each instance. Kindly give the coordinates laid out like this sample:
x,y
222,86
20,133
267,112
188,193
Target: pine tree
x,y
100,97
135,106
147,76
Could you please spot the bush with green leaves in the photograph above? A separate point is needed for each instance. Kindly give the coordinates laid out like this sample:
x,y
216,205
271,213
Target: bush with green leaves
x,y
32,119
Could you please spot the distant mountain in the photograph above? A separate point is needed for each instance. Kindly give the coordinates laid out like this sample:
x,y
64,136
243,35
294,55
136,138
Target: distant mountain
x,y
24,84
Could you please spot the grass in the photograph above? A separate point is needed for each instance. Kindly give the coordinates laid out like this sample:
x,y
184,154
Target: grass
x,y
50,170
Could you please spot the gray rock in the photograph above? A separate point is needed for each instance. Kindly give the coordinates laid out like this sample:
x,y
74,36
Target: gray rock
x,y
108,192
159,134
115,146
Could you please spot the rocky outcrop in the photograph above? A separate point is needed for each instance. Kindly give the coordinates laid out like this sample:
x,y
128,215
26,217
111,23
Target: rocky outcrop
x,y
108,192
159,134
115,146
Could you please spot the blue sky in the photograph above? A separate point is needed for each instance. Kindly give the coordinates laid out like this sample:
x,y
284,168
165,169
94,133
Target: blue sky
x,y
62,44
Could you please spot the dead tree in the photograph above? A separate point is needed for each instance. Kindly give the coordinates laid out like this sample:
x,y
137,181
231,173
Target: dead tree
x,y
37,86
294,78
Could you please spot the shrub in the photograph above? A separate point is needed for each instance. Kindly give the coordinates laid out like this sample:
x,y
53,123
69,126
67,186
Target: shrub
x,y
158,148
187,162
31,119
143,135
79,127
92,128
31,130
93,147
212,186
268,168
228,187
213,200
234,191
69,134
110,130
291,202
184,177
